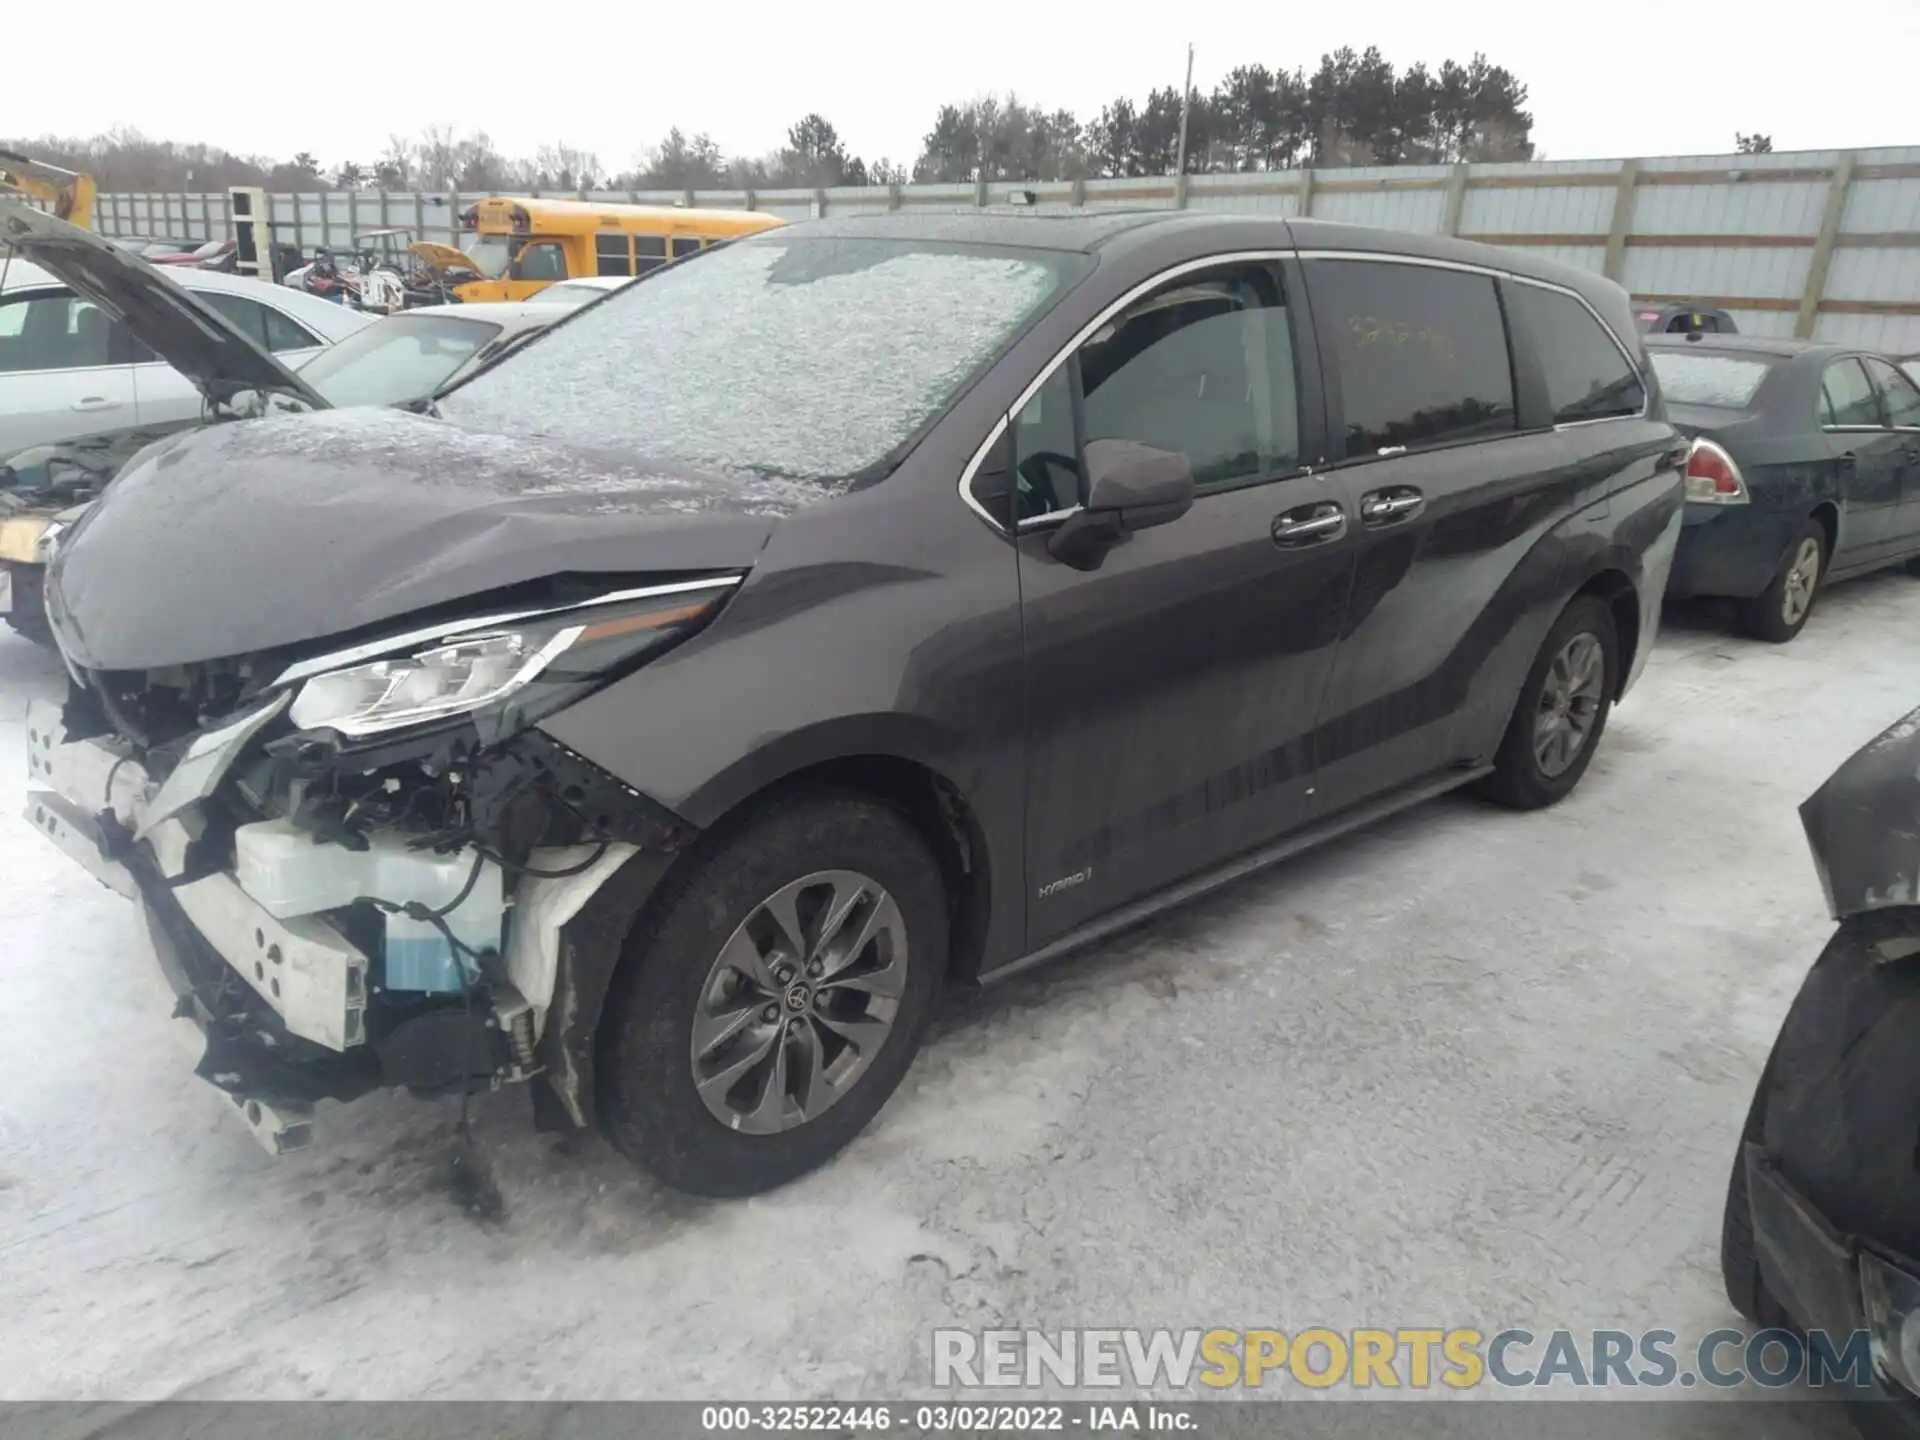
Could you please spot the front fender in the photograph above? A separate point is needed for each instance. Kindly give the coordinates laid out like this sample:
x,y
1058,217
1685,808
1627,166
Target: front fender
x,y
912,738
1863,824
591,945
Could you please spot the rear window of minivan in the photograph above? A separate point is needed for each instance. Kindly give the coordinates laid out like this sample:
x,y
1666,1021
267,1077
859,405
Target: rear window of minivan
x,y
1698,377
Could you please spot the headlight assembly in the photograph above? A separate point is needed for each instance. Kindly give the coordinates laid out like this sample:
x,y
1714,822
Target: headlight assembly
x,y
1892,1300
504,671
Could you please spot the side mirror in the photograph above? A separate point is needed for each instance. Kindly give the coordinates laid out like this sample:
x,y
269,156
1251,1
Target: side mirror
x,y
1145,486
1129,487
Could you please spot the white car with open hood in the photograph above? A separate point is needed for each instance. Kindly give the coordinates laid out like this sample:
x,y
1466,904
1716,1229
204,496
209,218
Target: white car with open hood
x,y
70,368
184,323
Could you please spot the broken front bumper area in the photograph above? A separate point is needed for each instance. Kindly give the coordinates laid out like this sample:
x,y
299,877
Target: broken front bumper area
x,y
1815,1273
284,1004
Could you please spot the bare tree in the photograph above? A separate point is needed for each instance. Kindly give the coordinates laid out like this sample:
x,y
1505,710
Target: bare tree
x,y
561,167
1352,108
437,157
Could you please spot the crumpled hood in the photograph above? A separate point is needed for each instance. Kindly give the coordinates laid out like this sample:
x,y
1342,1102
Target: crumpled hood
x,y
1863,825
271,533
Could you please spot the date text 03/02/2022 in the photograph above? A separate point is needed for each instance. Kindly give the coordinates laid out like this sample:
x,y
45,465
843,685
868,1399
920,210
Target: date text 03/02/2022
x,y
948,1419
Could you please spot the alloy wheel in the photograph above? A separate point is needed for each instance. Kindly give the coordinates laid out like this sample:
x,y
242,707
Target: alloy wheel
x,y
1796,595
1570,700
799,1001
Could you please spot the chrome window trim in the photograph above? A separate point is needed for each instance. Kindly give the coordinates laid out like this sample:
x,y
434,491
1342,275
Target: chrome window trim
x,y
1597,420
1494,273
1646,394
1185,267
1385,257
373,649
1242,257
973,468
1052,517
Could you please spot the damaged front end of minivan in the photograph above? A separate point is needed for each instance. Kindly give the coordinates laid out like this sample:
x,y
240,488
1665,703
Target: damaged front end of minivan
x,y
365,867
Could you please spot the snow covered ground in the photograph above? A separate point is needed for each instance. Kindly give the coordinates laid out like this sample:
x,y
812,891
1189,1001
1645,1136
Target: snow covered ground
x,y
1469,1068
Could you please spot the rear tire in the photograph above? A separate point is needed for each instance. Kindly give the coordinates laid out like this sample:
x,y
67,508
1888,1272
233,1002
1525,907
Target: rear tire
x,y
1781,611
1531,770
718,976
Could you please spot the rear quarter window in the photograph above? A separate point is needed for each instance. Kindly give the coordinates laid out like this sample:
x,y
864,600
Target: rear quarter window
x,y
1587,375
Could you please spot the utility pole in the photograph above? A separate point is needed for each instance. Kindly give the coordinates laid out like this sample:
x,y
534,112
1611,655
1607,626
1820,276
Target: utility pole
x,y
1186,95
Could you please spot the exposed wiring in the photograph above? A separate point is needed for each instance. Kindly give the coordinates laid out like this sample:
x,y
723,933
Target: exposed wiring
x,y
462,954
532,873
471,967
113,774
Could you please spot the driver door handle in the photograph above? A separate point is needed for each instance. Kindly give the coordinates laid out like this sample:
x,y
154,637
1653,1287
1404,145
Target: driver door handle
x,y
94,402
1304,525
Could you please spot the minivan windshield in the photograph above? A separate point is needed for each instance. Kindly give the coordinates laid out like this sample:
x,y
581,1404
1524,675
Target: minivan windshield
x,y
814,358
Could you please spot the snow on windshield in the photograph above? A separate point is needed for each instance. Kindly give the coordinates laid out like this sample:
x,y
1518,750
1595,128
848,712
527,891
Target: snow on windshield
x,y
1727,381
808,358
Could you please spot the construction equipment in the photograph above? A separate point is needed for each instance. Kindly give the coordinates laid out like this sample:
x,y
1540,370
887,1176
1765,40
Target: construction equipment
x,y
67,193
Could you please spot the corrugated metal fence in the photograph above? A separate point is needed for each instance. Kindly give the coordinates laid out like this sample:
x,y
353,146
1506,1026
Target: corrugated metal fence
x,y
1815,243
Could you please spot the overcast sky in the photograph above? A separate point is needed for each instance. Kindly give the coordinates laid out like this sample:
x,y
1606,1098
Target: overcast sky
x,y
1618,78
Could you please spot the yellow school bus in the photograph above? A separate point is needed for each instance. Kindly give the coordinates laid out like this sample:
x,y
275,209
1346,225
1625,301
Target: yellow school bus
x,y
523,246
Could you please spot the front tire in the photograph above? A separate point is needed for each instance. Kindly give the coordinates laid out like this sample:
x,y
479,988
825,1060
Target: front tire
x,y
1837,1104
776,995
1562,710
1739,1255
1780,612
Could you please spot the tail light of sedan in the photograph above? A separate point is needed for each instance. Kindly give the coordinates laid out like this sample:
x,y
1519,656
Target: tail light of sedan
x,y
1712,476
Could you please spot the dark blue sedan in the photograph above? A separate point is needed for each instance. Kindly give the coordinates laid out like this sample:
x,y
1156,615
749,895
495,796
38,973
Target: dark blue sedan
x,y
1805,469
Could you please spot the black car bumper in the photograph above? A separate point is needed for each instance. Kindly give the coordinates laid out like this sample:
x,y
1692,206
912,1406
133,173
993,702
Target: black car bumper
x,y
1814,1272
1731,550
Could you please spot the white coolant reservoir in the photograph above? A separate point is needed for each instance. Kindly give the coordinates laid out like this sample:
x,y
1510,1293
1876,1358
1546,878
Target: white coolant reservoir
x,y
290,873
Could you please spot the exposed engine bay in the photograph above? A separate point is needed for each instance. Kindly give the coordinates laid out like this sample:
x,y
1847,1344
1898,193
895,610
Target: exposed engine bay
x,y
360,867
